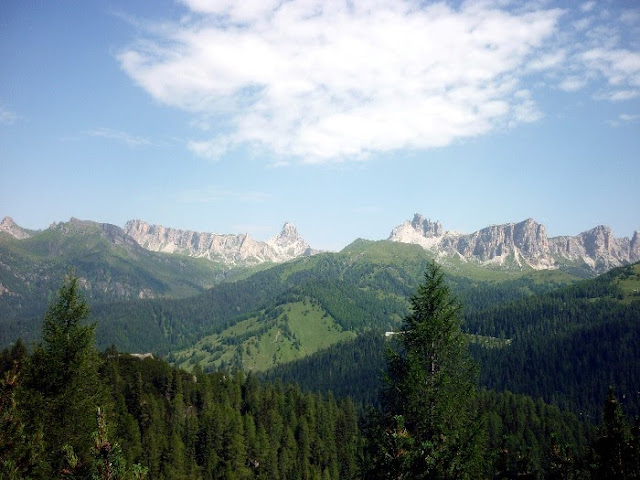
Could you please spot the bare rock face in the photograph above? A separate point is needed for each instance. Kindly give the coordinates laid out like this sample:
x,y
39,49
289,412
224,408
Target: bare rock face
x,y
12,228
227,248
634,246
420,231
517,245
596,247
289,243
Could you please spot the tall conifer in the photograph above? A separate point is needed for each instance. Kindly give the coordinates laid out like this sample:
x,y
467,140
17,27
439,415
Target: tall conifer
x,y
62,377
428,427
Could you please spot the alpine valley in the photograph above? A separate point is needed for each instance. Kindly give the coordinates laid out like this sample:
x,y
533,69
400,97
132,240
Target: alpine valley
x,y
552,322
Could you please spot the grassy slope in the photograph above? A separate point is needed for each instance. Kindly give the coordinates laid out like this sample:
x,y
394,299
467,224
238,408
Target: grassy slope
x,y
292,331
629,283
364,287
568,346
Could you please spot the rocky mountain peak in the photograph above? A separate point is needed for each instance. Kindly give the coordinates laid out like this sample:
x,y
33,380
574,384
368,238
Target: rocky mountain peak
x,y
522,244
427,227
420,231
288,235
231,249
289,243
597,240
12,228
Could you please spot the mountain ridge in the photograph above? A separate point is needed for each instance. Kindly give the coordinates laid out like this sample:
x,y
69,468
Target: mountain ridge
x,y
8,225
514,245
522,244
230,249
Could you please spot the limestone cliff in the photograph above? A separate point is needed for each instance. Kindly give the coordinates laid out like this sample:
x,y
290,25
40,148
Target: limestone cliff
x,y
9,226
231,249
522,244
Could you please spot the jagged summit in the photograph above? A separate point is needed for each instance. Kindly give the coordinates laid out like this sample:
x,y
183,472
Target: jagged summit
x,y
522,244
230,249
289,242
12,228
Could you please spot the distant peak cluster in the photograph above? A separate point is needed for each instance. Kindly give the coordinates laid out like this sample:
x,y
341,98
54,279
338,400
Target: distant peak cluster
x,y
520,245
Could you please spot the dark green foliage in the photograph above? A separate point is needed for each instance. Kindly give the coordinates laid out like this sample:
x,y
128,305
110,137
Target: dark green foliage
x,y
348,369
61,377
567,346
173,424
528,438
225,425
615,450
429,425
112,265
108,462
20,452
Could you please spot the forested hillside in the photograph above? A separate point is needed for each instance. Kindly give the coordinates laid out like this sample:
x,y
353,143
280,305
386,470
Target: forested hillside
x,y
111,266
366,286
159,422
566,347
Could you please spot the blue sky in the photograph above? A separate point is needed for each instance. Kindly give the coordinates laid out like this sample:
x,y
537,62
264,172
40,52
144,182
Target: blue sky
x,y
345,118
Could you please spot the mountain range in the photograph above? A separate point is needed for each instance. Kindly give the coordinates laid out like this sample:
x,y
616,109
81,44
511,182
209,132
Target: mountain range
x,y
508,246
229,249
233,308
521,245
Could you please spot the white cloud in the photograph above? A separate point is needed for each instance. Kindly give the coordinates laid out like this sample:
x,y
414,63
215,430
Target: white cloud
x,y
588,6
630,17
572,84
321,81
7,117
338,80
119,137
620,68
619,95
548,61
624,118
212,149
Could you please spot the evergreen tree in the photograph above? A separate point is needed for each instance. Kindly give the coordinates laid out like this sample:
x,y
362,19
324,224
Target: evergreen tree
x,y
614,446
109,461
19,454
61,378
429,426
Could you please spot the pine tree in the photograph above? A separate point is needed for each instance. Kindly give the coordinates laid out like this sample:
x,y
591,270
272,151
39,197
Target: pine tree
x,y
429,427
20,454
613,446
61,378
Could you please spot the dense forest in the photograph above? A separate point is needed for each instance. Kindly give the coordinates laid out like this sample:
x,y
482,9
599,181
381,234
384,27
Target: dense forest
x,y
70,411
566,347
364,286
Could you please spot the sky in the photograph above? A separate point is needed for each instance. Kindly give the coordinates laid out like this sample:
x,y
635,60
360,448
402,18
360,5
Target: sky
x,y
342,117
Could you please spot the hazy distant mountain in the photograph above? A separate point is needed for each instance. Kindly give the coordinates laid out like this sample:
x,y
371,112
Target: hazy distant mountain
x,y
12,228
110,264
523,244
229,249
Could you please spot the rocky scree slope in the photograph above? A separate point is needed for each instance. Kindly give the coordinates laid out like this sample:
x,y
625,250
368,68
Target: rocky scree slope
x,y
523,244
